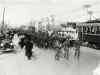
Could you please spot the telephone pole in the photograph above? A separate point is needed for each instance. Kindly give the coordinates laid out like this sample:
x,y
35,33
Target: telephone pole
x,y
3,16
89,12
52,19
3,20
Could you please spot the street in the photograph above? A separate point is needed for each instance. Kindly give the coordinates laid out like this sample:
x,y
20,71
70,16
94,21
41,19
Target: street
x,y
45,64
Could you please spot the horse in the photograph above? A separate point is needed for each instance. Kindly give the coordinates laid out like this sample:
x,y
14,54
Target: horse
x,y
62,48
68,44
70,40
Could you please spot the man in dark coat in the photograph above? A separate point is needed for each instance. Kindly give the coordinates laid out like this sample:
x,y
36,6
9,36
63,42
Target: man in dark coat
x,y
28,48
28,44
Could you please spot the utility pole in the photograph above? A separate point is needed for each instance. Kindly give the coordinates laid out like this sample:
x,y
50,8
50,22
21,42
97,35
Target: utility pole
x,y
90,15
2,26
89,12
3,16
52,19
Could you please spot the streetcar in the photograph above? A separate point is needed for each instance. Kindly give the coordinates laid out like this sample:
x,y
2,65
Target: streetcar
x,y
90,32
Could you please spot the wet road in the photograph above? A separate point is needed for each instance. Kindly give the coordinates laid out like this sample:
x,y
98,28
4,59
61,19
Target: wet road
x,y
45,64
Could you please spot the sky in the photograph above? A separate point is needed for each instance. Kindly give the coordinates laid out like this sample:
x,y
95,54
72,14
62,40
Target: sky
x,y
20,12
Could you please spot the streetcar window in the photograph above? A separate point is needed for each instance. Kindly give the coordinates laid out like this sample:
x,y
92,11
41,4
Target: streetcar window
x,y
84,29
99,28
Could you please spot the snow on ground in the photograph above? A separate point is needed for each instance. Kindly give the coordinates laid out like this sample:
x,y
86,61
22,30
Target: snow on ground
x,y
97,70
45,64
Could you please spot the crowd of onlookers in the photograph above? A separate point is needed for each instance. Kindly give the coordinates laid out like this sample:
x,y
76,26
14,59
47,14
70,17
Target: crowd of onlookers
x,y
27,40
42,39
